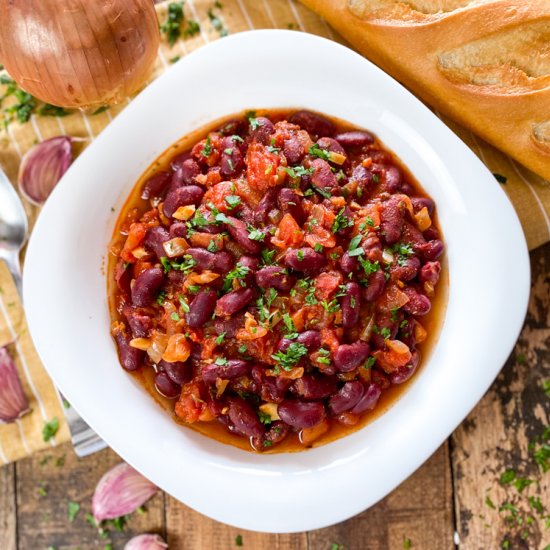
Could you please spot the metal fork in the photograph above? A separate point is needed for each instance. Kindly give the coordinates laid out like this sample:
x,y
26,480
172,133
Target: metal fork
x,y
14,231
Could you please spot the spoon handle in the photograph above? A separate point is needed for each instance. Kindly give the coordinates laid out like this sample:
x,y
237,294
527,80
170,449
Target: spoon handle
x,y
14,266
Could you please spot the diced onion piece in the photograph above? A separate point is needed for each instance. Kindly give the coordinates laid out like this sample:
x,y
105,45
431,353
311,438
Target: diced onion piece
x,y
367,331
252,330
387,256
309,435
141,343
271,410
183,213
220,386
157,347
422,219
337,158
203,278
367,163
175,247
163,218
420,333
429,289
139,252
178,349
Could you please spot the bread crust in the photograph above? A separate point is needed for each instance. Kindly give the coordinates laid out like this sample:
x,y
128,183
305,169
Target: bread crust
x,y
484,63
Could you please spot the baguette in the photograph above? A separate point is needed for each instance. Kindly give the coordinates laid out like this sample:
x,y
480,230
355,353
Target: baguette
x,y
484,63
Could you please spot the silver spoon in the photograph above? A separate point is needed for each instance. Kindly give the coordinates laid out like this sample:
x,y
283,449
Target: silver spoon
x,y
14,229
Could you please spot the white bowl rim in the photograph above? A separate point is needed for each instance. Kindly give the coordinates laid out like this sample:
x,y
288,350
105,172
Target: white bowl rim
x,y
306,487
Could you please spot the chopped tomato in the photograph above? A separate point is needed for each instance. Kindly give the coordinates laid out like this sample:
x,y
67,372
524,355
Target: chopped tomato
x,y
178,349
262,167
190,406
134,239
203,240
327,283
318,227
396,355
208,347
392,298
329,340
208,151
216,195
288,233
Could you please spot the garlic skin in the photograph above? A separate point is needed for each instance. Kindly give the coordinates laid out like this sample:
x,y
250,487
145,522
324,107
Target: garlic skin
x,y
121,491
146,542
42,168
13,401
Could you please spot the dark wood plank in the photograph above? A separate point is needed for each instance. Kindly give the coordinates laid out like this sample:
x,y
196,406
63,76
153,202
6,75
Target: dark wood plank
x,y
8,520
497,435
193,531
43,519
420,510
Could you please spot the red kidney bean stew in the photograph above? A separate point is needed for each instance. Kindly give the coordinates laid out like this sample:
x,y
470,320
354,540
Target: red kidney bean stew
x,y
274,280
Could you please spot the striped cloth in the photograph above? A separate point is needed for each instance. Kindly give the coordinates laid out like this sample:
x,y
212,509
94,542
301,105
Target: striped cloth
x,y
529,193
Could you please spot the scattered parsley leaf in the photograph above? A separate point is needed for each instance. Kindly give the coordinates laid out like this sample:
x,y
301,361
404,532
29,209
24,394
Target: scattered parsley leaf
x,y
50,428
72,510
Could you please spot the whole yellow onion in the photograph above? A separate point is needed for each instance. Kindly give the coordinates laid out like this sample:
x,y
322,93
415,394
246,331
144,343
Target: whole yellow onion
x,y
78,53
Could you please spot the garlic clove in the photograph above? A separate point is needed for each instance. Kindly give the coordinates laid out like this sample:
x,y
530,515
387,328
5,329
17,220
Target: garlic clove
x,y
42,167
13,401
146,542
121,491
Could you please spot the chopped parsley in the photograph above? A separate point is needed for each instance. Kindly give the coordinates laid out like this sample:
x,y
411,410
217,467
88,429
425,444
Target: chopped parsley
x,y
212,246
220,339
369,362
368,266
318,247
207,147
272,149
161,297
298,171
507,477
291,357
375,178
217,23
323,192
50,429
317,151
385,333
238,273
255,234
221,361
354,249
300,255
265,418
332,306
183,303
290,327
267,256
72,510
172,26
186,266
323,356
52,110
341,221
193,289
232,201
239,538
175,316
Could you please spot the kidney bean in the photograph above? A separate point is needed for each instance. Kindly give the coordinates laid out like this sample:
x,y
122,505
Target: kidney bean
x,y
237,230
237,127
229,326
273,276
429,273
330,144
146,285
233,369
311,339
263,130
130,358
431,250
123,277
165,386
323,177
266,204
300,414
313,123
231,159
154,238
244,418
180,373
392,182
290,202
349,264
392,218
369,399
404,373
204,258
234,301
183,196
178,229
201,308
407,189
351,304
223,262
140,324
418,304
293,150
380,379
284,344
408,269
305,259
346,397
155,185
423,202
277,432
315,387
272,388
252,263
349,356
412,235
376,285
354,138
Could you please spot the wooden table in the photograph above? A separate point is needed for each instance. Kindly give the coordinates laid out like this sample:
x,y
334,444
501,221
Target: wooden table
x,y
454,498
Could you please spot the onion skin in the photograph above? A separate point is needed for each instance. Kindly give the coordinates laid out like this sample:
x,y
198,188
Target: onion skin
x,y
79,53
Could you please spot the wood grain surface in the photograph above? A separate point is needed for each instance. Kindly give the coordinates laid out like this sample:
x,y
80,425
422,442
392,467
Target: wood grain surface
x,y
482,490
